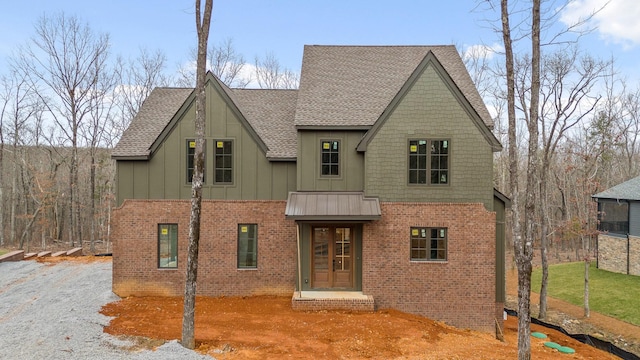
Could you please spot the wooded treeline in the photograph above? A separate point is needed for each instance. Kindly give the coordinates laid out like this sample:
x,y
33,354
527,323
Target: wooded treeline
x,y
64,102
589,127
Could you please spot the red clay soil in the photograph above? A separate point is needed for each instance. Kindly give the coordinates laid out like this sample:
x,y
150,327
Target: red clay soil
x,y
264,327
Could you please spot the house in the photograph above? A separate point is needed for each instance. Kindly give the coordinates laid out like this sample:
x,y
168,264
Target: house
x,y
373,180
619,228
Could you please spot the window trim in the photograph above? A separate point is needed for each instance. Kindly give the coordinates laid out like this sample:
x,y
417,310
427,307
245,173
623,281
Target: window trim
x,y
233,164
255,239
428,168
168,225
339,164
191,161
428,240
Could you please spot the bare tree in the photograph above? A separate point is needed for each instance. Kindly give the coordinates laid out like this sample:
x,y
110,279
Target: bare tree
x,y
271,75
5,95
63,56
224,61
523,248
203,21
93,132
136,79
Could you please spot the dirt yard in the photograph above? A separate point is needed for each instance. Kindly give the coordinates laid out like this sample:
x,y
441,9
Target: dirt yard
x,y
266,328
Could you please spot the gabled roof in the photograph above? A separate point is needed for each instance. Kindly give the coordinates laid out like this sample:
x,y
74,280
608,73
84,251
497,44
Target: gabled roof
x,y
347,87
154,115
628,190
351,86
271,113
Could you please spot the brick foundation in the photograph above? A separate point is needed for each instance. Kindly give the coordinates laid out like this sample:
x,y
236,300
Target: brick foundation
x,y
307,304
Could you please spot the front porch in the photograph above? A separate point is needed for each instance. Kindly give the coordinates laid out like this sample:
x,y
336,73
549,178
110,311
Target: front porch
x,y
332,300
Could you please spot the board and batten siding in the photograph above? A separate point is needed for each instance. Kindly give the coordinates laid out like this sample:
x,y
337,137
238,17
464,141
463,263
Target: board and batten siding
x,y
164,175
351,168
429,110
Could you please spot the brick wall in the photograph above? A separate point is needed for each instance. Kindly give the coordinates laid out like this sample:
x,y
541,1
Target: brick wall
x,y
612,254
135,258
460,291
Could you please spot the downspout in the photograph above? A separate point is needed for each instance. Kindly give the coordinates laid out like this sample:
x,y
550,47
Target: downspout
x,y
628,238
299,264
628,255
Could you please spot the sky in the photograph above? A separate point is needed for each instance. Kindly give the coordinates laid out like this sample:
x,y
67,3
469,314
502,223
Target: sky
x,y
283,27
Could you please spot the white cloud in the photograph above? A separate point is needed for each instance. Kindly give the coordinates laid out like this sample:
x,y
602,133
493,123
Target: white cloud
x,y
481,51
616,20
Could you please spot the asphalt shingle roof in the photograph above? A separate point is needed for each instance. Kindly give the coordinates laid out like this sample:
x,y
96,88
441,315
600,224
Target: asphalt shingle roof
x,y
628,190
352,85
270,113
154,115
339,86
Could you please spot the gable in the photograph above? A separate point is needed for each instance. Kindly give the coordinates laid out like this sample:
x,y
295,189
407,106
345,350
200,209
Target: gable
x,y
431,63
351,86
216,92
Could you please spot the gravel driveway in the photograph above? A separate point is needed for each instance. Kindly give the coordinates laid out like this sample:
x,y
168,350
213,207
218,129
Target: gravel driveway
x,y
51,311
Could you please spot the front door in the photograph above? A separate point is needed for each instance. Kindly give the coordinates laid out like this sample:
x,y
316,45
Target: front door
x,y
332,257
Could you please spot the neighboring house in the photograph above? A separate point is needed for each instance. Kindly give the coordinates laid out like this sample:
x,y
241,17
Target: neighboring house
x,y
619,226
373,180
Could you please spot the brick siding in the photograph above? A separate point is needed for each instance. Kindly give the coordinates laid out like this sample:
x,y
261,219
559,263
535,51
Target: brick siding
x,y
135,248
460,291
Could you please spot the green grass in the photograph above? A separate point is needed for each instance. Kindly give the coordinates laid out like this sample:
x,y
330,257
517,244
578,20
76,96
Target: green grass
x,y
612,294
2,252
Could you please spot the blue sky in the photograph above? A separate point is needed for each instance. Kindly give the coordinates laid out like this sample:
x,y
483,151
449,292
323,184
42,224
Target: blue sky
x,y
284,26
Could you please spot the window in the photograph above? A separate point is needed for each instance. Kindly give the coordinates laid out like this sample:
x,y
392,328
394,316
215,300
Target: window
x,y
429,162
428,244
613,216
168,245
191,151
223,168
330,162
247,246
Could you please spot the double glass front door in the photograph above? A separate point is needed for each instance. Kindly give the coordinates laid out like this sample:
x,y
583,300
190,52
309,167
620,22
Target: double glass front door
x,y
332,257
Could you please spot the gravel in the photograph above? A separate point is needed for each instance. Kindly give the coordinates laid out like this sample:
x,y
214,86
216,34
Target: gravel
x,y
51,311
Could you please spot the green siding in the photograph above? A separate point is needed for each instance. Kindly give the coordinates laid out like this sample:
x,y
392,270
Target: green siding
x,y
164,175
351,177
430,110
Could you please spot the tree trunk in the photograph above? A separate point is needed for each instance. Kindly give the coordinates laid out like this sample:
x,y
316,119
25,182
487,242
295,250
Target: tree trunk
x,y
92,219
587,311
544,244
203,21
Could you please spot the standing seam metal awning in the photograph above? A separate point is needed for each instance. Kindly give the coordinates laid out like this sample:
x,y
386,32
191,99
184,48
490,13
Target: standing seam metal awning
x,y
332,206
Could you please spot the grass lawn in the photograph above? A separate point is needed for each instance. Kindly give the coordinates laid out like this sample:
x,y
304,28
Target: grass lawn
x,y
612,294
2,252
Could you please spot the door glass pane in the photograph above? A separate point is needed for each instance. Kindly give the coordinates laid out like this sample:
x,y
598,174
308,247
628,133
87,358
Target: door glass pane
x,y
321,248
